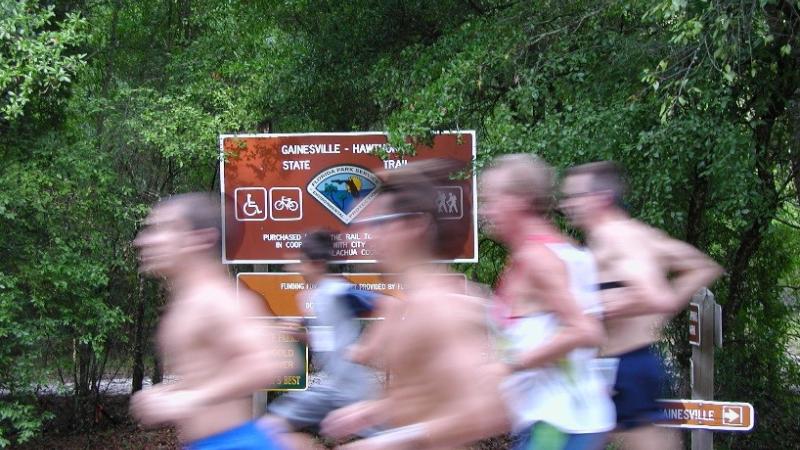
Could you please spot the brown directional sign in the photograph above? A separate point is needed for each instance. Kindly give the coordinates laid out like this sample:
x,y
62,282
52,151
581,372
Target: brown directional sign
x,y
694,324
711,415
280,291
275,187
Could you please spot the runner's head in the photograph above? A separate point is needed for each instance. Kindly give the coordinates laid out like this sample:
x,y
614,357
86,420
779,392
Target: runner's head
x,y
179,230
590,189
515,186
314,255
405,216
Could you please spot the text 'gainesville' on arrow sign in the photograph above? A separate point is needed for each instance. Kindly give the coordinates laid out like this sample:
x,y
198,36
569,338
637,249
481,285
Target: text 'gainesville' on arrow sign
x,y
702,414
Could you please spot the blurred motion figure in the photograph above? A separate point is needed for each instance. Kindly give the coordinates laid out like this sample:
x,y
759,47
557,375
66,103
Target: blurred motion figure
x,y
217,353
547,311
332,330
442,391
634,263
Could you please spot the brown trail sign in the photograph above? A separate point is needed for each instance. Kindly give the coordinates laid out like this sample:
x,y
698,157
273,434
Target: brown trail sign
x,y
275,187
709,415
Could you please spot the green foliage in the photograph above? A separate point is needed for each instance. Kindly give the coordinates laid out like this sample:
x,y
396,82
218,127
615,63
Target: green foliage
x,y
697,99
21,417
35,59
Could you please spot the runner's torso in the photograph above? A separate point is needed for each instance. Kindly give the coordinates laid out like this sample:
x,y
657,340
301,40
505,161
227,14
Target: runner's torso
x,y
421,385
568,394
608,247
191,356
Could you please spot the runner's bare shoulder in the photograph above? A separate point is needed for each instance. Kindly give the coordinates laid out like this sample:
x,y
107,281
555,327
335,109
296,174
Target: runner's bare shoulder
x,y
221,299
630,239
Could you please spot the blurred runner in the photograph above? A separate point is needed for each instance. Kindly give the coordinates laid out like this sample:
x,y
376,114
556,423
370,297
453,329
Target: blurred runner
x,y
442,392
635,264
547,309
332,330
219,356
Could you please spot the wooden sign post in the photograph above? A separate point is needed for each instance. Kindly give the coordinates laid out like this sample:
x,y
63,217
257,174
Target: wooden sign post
x,y
703,360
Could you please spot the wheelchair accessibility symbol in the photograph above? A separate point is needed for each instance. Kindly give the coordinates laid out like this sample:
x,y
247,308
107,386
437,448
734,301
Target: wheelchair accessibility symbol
x,y
251,204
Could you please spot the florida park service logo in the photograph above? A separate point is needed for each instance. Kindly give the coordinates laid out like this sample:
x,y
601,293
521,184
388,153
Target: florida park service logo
x,y
344,190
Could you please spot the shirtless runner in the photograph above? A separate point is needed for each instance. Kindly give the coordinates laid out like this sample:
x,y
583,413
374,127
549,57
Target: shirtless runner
x,y
218,355
634,262
548,313
442,393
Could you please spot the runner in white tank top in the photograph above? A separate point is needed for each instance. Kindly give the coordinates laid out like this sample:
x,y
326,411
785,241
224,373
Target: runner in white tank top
x,y
568,395
546,309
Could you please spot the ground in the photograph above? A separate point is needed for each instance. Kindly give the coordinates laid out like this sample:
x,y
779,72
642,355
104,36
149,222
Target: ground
x,y
123,437
111,428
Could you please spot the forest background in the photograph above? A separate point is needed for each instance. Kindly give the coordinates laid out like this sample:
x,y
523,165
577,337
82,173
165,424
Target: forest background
x,y
107,106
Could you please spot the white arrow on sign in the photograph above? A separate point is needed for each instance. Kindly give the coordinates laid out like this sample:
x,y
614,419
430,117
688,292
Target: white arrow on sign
x,y
732,415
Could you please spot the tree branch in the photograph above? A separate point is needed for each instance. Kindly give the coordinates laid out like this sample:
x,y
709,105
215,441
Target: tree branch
x,y
788,224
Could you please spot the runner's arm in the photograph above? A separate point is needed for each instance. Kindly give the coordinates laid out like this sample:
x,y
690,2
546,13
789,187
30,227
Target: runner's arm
x,y
548,276
369,349
648,291
349,420
693,270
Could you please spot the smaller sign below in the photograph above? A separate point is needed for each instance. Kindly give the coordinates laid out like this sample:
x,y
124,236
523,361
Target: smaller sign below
x,y
694,324
706,414
294,358
282,292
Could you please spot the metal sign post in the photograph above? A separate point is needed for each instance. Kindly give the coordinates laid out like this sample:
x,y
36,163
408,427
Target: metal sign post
x,y
701,414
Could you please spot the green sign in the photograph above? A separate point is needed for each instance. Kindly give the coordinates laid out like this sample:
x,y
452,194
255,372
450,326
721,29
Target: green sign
x,y
295,358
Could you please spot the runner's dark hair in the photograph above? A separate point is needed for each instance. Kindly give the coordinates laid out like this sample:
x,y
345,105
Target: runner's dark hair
x,y
605,176
317,245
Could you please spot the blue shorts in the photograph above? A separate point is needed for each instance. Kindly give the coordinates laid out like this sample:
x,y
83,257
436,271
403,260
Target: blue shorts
x,y
543,436
641,379
247,436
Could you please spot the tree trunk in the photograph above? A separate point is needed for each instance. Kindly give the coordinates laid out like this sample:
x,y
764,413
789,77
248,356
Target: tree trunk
x,y
794,114
139,340
158,368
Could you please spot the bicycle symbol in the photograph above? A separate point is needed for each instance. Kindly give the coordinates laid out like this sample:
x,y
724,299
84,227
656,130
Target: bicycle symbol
x,y
250,208
285,203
